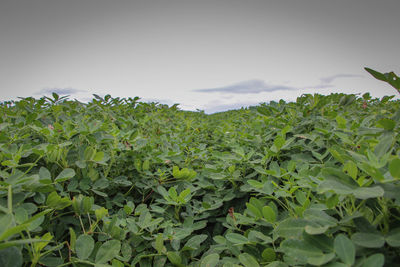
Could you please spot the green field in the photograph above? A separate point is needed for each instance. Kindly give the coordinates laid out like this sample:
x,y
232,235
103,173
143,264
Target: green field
x,y
117,182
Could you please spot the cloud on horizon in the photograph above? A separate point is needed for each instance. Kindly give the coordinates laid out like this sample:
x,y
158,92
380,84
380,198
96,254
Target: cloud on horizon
x,y
330,79
248,87
60,91
259,86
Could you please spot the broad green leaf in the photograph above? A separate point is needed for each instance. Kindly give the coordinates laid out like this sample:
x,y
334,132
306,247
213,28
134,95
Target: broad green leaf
x,y
64,175
316,229
376,74
159,243
99,156
56,202
210,260
159,261
194,242
387,124
45,240
257,237
341,121
6,222
174,258
84,246
268,254
254,210
184,193
345,249
320,217
255,184
248,260
321,260
172,193
351,168
237,239
107,251
376,260
368,240
276,264
12,231
393,238
269,214
11,257
384,146
368,192
44,175
372,171
290,228
322,242
394,168
337,181
300,250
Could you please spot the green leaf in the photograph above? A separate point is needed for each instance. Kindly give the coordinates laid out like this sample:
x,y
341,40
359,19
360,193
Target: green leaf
x,y
394,168
173,194
11,243
45,240
255,184
269,214
159,243
174,258
320,217
237,239
6,222
337,181
341,121
393,238
44,175
108,251
84,246
322,242
387,124
316,229
210,260
72,241
368,192
12,231
268,254
368,240
98,157
247,260
345,249
376,74
300,250
64,175
376,260
351,168
56,202
254,210
184,193
194,242
291,228
11,257
384,146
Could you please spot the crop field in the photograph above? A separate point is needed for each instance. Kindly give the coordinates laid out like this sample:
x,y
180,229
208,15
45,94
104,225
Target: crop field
x,y
118,182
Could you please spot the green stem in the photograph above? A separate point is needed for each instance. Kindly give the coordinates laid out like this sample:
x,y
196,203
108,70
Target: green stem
x,y
83,228
9,200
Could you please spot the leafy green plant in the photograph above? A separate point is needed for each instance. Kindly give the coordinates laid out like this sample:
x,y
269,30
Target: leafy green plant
x,y
389,77
118,182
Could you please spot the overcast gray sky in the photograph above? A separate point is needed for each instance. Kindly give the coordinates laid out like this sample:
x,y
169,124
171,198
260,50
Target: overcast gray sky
x,y
208,55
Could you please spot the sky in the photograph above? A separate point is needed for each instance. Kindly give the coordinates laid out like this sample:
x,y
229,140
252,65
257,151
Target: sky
x,y
210,55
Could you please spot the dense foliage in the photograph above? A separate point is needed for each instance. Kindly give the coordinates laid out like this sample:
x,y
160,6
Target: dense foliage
x,y
124,183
